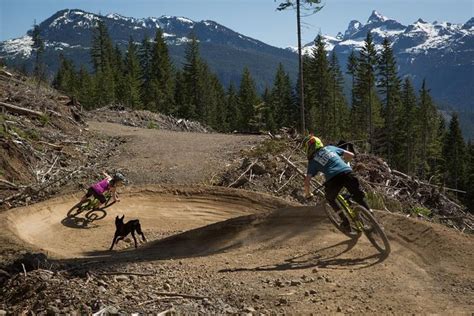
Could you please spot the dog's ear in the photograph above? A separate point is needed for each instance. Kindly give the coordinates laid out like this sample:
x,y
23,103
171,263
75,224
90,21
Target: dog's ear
x,y
122,217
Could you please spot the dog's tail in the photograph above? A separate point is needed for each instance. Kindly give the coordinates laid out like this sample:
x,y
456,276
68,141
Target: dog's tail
x,y
139,230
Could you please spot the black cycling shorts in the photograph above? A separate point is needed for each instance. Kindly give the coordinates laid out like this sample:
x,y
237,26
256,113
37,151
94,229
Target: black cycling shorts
x,y
100,197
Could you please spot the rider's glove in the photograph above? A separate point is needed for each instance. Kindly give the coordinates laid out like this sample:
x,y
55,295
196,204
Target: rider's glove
x,y
308,195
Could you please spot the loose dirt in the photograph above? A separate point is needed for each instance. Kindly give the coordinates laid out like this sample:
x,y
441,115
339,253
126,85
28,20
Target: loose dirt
x,y
232,251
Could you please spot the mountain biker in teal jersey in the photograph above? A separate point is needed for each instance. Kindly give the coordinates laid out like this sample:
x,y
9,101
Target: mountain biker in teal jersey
x,y
330,161
108,184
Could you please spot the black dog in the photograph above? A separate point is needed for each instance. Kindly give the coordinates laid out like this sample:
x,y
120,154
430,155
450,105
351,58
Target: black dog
x,y
122,230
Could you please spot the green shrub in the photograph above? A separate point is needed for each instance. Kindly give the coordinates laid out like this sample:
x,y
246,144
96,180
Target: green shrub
x,y
420,210
269,146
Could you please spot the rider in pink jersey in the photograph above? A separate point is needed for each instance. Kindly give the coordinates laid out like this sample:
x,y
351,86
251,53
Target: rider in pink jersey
x,y
107,184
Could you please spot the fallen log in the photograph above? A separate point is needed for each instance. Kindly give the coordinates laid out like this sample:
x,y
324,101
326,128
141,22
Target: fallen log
x,y
20,110
245,172
403,175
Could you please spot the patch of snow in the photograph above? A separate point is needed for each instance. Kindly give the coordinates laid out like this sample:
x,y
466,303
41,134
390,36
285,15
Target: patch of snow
x,y
19,46
184,20
183,40
353,43
438,42
383,32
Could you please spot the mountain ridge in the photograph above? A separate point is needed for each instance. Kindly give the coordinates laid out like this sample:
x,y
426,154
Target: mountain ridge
x,y
440,52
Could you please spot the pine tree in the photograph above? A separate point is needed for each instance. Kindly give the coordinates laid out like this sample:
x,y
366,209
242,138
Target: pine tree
x,y
210,93
102,60
366,114
233,111
219,117
437,164
145,56
407,134
133,76
268,111
319,87
454,152
309,101
429,124
389,88
248,100
193,81
38,49
469,180
118,72
338,110
162,76
179,98
284,112
102,48
352,64
85,88
66,79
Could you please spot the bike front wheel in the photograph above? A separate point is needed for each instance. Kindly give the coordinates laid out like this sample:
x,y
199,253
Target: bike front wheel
x,y
372,230
95,215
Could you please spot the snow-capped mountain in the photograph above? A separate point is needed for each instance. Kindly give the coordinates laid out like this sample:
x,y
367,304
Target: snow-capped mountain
x,y
70,32
440,52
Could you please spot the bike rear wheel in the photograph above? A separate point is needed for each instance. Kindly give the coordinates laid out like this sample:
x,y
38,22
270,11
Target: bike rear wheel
x,y
372,230
336,219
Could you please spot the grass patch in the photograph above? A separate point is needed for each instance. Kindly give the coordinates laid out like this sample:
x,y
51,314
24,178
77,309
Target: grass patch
x,y
32,134
44,119
152,125
3,132
375,200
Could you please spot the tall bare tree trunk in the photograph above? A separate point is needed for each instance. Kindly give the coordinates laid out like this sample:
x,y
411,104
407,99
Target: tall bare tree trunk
x,y
300,66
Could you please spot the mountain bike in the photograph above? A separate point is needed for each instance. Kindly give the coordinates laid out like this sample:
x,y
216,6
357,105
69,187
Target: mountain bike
x,y
91,206
361,220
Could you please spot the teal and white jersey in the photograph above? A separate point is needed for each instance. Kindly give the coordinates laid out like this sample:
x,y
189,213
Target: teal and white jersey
x,y
328,161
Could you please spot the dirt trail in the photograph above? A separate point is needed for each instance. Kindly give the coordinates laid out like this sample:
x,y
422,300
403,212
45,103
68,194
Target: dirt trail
x,y
245,251
152,156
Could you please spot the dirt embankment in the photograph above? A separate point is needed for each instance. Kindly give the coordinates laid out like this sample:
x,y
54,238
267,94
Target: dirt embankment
x,y
219,250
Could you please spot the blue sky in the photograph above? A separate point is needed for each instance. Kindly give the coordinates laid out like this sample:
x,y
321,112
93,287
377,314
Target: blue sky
x,y
254,18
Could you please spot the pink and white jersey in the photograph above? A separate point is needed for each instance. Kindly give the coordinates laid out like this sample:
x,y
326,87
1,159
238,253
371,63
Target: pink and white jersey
x,y
101,186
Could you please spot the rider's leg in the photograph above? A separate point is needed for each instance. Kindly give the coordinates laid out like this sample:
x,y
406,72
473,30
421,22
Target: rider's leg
x,y
102,200
353,186
331,190
90,192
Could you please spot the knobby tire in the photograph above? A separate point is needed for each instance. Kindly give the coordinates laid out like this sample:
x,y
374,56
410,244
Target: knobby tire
x,y
372,230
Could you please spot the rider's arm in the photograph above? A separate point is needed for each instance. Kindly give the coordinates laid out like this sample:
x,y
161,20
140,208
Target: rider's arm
x,y
347,155
307,181
113,191
107,175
